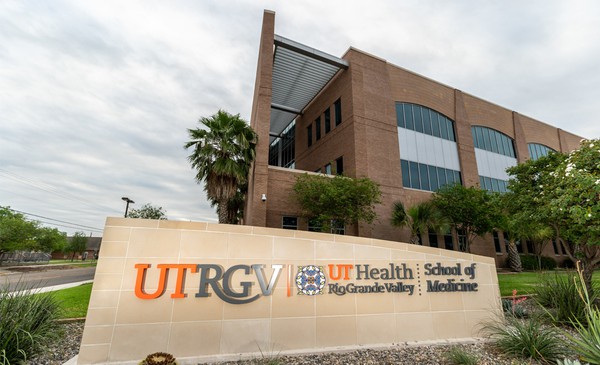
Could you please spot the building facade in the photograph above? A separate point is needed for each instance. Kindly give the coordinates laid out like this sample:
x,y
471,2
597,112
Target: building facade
x,y
364,117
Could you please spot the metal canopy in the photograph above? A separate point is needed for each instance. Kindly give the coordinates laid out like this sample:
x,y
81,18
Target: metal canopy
x,y
299,74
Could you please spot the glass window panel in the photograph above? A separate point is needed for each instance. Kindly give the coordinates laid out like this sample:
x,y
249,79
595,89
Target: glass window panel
x,y
497,242
508,147
309,135
289,223
433,181
400,115
408,115
435,124
424,173
441,173
414,175
481,182
451,135
474,134
486,139
493,141
495,186
338,111
405,173
418,119
500,142
449,176
480,143
448,242
318,128
530,149
426,121
327,121
433,239
443,127
457,178
488,183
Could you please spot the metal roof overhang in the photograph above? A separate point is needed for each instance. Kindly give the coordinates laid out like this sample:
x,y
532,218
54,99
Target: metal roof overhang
x,y
299,74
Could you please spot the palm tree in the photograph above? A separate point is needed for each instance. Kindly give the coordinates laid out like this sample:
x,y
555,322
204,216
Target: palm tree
x,y
419,218
222,155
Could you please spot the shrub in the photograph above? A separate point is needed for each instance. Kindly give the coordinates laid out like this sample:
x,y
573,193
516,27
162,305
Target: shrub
x,y
587,343
559,295
513,309
459,356
530,262
526,338
27,322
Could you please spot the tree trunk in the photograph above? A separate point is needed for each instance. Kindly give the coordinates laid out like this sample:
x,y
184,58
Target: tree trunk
x,y
222,211
514,260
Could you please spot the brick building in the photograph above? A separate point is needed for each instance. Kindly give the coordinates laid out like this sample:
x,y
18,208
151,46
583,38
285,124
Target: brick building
x,y
363,116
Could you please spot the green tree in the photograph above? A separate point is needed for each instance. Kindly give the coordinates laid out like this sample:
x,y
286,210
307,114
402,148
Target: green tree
x,y
16,233
77,244
467,209
337,200
420,219
148,211
222,155
563,191
50,239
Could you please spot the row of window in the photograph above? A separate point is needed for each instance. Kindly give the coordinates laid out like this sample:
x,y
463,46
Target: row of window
x,y
282,151
288,222
491,184
491,140
337,108
537,150
426,177
328,169
424,120
499,237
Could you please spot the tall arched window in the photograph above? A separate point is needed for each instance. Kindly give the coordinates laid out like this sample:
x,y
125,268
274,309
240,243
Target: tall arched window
x,y
428,152
494,152
537,150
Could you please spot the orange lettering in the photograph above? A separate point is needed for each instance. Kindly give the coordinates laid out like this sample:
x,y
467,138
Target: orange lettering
x,y
162,280
346,271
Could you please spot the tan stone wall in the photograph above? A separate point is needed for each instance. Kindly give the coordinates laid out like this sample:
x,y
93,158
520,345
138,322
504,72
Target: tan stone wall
x,y
121,327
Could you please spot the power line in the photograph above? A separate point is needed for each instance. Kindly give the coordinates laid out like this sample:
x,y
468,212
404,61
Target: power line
x,y
49,189
57,220
67,226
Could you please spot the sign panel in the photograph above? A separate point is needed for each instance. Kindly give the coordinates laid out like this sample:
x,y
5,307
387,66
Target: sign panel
x,y
202,291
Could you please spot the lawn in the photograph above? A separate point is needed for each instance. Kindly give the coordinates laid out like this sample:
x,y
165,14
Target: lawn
x,y
525,282
74,301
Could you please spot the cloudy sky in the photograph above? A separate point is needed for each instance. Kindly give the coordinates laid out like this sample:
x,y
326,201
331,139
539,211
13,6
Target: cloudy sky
x,y
96,96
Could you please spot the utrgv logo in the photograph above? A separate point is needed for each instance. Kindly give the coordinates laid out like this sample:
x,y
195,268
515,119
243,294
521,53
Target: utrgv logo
x,y
211,275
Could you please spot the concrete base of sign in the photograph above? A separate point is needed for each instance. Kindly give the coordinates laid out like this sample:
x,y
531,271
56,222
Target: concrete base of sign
x,y
204,291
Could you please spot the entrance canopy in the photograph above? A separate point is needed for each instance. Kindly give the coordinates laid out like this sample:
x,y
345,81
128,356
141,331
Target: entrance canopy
x,y
299,74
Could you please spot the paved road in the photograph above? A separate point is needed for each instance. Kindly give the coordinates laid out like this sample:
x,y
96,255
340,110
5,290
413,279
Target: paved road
x,y
49,277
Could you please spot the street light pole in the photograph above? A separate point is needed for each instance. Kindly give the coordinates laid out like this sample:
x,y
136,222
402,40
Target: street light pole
x,y
127,206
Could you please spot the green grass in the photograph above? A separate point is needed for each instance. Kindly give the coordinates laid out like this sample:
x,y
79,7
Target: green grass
x,y
74,301
525,282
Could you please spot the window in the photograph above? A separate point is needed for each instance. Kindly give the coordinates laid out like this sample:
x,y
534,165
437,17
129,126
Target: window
x,y
433,239
314,225
493,141
530,247
424,120
327,116
537,150
448,241
289,223
497,242
338,112
339,166
328,169
426,177
337,228
309,135
555,246
318,127
282,149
